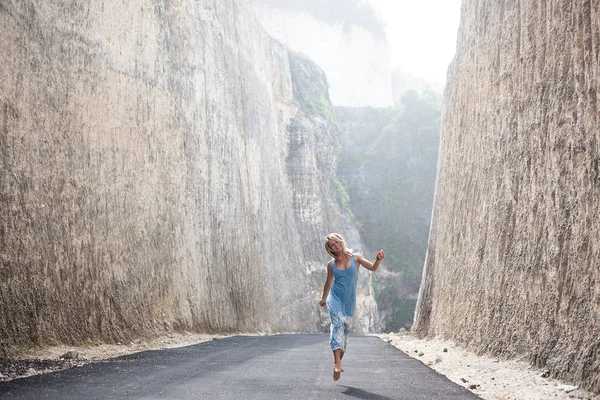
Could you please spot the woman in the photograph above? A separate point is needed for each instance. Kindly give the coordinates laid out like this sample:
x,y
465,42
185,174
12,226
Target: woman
x,y
339,293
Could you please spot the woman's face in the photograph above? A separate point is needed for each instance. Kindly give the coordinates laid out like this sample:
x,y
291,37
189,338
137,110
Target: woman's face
x,y
335,246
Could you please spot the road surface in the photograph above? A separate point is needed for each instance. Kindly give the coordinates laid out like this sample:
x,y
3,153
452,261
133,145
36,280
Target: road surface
x,y
247,367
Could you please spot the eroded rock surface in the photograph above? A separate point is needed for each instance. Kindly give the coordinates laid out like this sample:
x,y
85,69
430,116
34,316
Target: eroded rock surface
x,y
512,264
146,183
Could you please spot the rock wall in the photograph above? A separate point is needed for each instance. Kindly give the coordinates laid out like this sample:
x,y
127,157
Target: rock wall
x,y
512,263
147,181
357,62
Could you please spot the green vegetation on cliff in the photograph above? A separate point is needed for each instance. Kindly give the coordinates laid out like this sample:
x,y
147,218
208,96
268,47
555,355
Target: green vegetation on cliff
x,y
310,86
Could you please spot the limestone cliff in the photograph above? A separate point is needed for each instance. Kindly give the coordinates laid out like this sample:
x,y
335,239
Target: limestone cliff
x,y
512,263
355,58
153,176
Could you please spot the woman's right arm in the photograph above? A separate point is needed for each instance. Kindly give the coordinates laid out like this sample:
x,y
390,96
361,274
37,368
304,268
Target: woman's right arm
x,y
327,287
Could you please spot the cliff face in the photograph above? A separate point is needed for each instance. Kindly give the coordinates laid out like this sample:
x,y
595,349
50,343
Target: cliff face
x,y
147,177
512,264
356,61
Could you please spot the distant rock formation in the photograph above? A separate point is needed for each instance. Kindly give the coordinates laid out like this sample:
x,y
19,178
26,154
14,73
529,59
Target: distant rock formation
x,y
355,57
388,164
403,82
512,265
157,173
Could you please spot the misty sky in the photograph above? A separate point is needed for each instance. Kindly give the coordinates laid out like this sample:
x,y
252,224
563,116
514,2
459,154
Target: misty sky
x,y
422,34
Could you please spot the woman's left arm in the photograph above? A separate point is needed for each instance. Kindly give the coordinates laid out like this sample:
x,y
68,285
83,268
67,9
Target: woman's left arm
x,y
371,266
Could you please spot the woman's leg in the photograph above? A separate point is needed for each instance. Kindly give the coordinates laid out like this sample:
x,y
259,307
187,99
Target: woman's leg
x,y
346,324
338,354
337,360
337,364
336,337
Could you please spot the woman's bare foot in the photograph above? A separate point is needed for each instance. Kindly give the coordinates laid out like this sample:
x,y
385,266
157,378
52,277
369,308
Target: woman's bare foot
x,y
337,371
336,375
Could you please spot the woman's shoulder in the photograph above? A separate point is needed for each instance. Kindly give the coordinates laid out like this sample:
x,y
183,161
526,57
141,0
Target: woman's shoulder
x,y
358,258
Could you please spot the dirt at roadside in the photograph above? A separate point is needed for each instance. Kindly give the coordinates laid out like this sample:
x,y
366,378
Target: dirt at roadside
x,y
52,359
488,377
14,368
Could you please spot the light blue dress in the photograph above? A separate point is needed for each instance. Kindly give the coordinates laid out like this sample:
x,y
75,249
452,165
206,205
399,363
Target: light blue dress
x,y
341,303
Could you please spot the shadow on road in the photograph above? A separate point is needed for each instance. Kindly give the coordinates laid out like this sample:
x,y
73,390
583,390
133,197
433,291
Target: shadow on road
x,y
363,394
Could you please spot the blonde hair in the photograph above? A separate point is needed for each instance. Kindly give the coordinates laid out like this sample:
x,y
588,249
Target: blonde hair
x,y
338,238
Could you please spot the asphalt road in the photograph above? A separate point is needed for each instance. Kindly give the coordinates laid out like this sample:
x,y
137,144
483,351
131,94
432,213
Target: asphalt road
x,y
247,367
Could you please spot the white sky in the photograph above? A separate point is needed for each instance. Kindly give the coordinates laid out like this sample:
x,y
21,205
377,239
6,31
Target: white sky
x,y
422,34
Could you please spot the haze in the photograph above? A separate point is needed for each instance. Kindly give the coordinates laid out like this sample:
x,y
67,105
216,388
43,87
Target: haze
x,y
422,35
